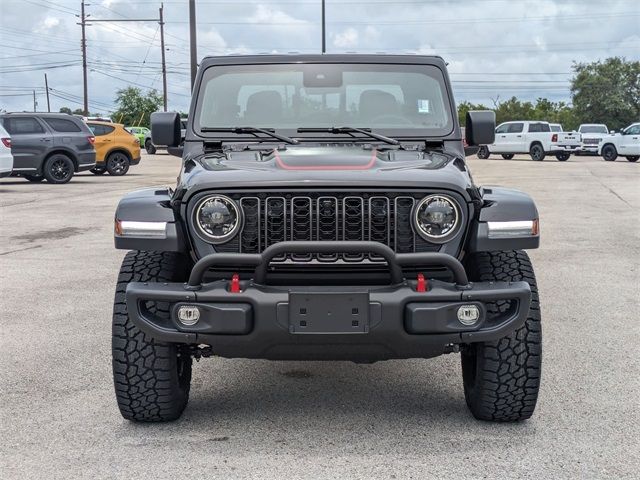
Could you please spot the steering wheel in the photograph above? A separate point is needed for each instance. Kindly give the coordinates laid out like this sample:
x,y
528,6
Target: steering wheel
x,y
390,118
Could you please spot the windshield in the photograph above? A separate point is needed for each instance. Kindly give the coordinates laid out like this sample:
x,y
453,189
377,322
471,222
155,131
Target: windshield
x,y
397,98
593,129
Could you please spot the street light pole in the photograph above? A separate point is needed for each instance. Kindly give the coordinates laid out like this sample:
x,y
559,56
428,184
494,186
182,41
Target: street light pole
x,y
84,61
46,87
193,45
324,42
164,65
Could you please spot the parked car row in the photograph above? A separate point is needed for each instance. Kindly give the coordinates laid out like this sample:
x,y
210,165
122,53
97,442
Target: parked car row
x,y
55,146
540,139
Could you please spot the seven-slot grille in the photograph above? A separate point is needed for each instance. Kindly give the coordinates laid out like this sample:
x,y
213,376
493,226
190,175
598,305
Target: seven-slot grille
x,y
384,218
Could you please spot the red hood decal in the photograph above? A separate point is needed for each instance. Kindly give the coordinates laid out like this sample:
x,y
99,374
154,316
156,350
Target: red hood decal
x,y
329,162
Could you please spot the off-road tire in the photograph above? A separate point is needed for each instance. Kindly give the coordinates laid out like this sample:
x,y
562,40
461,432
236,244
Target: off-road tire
x,y
502,378
633,158
34,178
151,379
537,152
150,147
483,153
507,156
563,156
58,169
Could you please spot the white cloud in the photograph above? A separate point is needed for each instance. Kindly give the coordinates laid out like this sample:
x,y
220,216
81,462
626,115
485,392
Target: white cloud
x,y
478,39
346,39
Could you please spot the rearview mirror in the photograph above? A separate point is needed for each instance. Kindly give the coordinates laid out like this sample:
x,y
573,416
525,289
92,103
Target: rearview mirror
x,y
480,127
165,129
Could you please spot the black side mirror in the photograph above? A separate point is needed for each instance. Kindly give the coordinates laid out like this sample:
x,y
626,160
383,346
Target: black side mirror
x,y
165,129
480,127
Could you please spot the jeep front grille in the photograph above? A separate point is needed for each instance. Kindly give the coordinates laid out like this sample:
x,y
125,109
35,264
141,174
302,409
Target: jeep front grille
x,y
269,219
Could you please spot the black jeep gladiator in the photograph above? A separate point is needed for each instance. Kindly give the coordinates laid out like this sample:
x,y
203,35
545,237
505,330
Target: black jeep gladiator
x,y
324,211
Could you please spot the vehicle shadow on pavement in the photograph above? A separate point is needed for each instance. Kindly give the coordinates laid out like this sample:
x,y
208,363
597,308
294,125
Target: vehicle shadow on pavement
x,y
287,398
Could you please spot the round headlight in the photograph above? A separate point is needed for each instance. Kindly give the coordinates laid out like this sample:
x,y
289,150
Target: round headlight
x,y
436,218
217,218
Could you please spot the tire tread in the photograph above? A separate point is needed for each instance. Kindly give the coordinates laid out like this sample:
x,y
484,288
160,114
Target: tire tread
x,y
145,372
507,371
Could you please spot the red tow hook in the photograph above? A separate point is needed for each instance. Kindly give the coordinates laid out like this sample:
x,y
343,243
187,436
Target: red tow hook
x,y
234,286
421,286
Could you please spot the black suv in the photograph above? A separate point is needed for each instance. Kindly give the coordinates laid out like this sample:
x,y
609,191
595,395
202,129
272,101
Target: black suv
x,y
49,146
324,211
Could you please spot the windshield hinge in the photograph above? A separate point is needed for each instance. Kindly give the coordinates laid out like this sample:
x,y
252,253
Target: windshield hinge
x,y
212,147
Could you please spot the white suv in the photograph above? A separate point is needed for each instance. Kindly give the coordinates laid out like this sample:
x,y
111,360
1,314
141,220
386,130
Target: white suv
x,y
6,158
534,138
626,143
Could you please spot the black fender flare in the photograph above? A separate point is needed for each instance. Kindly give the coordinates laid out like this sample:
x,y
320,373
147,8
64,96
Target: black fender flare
x,y
151,205
502,205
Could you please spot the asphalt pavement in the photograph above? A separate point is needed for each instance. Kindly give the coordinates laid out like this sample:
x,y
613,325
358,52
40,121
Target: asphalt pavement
x,y
290,420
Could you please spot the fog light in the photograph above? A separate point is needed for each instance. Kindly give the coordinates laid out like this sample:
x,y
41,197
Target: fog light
x,y
468,314
188,315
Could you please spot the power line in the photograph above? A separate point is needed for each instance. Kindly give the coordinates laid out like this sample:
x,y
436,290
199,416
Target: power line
x,y
440,21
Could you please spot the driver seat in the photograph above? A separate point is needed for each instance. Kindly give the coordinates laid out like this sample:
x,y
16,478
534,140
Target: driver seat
x,y
264,109
375,103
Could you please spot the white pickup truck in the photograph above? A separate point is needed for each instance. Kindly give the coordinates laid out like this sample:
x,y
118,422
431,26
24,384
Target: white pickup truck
x,y
592,135
534,138
626,144
567,142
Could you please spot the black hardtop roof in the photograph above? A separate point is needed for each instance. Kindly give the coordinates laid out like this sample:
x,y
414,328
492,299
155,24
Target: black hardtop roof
x,y
324,58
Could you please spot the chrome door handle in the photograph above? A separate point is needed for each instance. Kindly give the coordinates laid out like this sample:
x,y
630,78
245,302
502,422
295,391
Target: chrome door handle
x,y
45,139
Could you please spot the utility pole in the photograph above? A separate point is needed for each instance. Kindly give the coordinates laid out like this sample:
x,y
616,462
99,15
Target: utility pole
x,y
159,20
35,104
83,23
324,42
46,87
164,65
193,45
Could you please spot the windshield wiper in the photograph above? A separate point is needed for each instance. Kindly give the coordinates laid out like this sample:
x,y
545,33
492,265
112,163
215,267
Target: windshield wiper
x,y
363,131
253,130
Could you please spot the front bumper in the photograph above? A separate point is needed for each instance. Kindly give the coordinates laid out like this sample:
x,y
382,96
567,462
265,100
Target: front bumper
x,y
360,323
567,148
590,148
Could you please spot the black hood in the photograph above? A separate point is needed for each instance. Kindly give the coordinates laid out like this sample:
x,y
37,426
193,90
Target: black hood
x,y
350,166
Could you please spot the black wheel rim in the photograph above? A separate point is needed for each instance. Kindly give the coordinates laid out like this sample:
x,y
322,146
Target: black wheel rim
x,y
536,153
118,163
59,169
608,153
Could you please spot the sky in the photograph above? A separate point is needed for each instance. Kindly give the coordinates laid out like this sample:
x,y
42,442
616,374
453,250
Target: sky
x,y
495,48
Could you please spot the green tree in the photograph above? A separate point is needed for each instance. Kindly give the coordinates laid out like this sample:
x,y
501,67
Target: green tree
x,y
607,92
134,107
464,107
66,110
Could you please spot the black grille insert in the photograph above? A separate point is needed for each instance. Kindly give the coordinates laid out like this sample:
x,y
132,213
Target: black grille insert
x,y
380,217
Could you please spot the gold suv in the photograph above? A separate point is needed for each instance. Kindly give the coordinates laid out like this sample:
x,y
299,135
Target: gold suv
x,y
116,149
